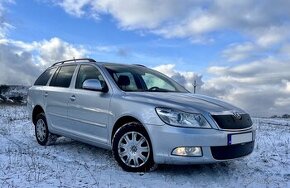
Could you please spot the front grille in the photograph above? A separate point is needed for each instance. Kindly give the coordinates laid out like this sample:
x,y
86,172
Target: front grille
x,y
232,151
230,122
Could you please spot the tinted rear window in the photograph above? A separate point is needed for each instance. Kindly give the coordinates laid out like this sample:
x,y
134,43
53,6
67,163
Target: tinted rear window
x,y
63,76
44,77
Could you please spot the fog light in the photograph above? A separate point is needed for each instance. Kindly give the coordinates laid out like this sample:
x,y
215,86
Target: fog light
x,y
187,151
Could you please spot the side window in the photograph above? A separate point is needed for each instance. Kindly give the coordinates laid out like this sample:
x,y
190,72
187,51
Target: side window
x,y
63,77
44,77
88,72
132,84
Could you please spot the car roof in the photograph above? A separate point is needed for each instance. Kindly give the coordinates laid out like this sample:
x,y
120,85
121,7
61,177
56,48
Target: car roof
x,y
120,64
92,61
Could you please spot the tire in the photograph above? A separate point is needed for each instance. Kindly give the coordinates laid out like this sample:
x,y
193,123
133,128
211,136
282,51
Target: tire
x,y
132,148
42,134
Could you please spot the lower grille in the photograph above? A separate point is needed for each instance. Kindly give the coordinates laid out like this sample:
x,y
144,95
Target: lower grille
x,y
230,122
232,151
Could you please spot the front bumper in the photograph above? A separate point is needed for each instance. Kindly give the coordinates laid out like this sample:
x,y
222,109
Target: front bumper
x,y
213,142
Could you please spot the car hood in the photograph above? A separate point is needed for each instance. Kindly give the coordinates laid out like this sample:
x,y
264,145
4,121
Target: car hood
x,y
184,101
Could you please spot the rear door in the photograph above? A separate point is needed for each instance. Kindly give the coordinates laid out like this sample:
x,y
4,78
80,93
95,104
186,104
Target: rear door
x,y
57,97
36,92
88,111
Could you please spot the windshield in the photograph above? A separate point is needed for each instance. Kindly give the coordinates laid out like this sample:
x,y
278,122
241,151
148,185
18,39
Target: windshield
x,y
141,79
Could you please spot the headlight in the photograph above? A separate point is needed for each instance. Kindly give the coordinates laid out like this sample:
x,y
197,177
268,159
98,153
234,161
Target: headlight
x,y
182,119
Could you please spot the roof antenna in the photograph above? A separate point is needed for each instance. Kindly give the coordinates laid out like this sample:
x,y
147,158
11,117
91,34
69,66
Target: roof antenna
x,y
194,86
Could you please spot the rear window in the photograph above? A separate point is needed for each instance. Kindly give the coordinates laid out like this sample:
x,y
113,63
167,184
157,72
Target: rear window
x,y
63,76
44,77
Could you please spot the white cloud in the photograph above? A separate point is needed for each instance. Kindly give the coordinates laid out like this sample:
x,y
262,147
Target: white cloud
x,y
135,14
272,35
283,102
16,67
266,21
239,52
74,7
22,62
261,87
192,27
4,25
55,49
287,86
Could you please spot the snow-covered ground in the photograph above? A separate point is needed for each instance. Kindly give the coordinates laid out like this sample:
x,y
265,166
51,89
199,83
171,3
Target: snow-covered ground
x,y
24,163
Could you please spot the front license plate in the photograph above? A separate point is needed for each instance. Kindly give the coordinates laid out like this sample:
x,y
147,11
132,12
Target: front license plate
x,y
240,138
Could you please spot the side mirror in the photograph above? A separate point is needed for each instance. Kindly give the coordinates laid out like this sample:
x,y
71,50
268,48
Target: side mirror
x,y
92,84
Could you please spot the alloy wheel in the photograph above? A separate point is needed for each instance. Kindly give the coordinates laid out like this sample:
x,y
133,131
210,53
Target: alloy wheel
x,y
133,149
40,130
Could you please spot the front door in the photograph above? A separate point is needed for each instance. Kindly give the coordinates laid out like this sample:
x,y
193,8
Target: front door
x,y
88,111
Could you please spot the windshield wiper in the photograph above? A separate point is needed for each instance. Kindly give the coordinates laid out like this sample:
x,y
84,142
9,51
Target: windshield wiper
x,y
158,90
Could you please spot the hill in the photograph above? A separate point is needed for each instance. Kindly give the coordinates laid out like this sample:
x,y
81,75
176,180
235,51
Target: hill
x,y
13,94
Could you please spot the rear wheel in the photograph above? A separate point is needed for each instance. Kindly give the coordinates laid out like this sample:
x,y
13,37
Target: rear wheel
x,y
132,148
42,134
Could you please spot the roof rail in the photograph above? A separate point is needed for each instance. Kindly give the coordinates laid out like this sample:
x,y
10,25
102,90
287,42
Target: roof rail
x,y
74,60
140,65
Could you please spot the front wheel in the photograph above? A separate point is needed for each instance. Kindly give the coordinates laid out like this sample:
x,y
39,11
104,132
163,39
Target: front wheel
x,y
132,148
42,134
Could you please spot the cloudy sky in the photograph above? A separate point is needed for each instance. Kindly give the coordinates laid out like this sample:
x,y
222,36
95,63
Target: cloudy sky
x,y
238,51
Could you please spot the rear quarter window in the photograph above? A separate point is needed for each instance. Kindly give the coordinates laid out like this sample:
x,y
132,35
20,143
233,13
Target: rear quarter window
x,y
44,77
63,76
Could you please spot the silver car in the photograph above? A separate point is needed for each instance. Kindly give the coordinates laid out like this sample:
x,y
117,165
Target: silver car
x,y
143,116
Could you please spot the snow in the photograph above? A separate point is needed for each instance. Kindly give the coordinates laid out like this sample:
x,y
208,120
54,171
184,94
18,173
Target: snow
x,y
24,163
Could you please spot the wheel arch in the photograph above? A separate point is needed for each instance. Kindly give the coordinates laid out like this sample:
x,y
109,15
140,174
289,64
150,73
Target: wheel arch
x,y
36,110
123,120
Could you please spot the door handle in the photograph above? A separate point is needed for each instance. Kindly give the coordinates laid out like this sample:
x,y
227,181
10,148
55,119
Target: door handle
x,y
45,94
73,98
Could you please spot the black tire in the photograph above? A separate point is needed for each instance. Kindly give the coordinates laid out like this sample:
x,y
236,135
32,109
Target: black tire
x,y
46,138
139,131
